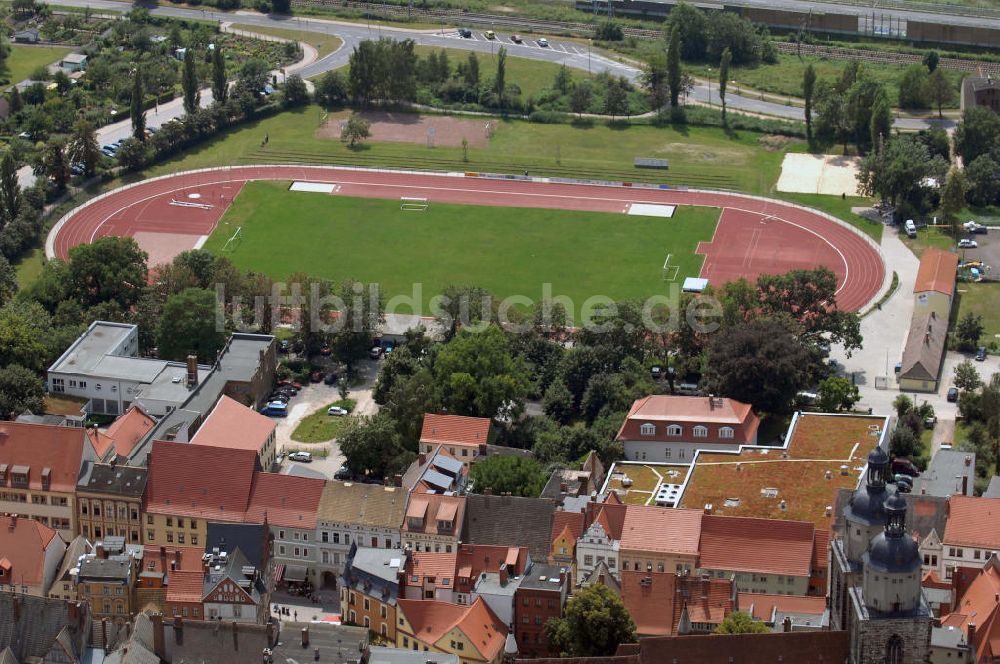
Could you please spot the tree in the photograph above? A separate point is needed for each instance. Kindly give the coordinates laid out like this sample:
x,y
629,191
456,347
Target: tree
x,y
760,363
739,622
372,446
835,122
730,30
967,378
615,98
896,172
8,280
472,72
296,92
579,98
25,335
281,6
903,442
953,198
913,92
52,163
254,74
727,57
968,331
15,101
83,147
558,402
500,84
902,404
837,394
354,332
674,64
220,86
20,390
563,80
331,90
595,623
977,133
931,60
503,473
137,113
110,269
189,83
808,90
191,324
981,175
880,124
356,129
10,188
939,90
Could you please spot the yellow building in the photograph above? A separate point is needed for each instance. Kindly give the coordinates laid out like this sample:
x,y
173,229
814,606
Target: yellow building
x,y
107,581
109,501
934,288
471,632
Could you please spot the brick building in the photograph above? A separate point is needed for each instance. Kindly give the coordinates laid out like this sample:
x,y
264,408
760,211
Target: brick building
x,y
540,596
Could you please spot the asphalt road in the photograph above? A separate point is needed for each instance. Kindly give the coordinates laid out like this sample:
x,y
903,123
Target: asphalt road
x,y
571,54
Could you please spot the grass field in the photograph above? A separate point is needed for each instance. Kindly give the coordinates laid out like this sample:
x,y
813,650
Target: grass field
x,y
320,427
982,299
699,156
508,251
25,59
325,44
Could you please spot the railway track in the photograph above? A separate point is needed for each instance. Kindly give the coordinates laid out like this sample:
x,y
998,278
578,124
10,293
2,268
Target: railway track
x,y
886,57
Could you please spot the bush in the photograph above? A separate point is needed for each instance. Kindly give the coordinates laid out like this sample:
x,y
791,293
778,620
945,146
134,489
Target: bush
x,y
548,117
609,31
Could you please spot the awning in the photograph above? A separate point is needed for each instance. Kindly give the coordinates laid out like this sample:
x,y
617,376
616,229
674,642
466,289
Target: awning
x,y
279,572
295,573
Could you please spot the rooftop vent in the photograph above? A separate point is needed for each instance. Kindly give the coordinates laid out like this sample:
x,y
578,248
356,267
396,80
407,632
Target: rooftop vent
x,y
783,506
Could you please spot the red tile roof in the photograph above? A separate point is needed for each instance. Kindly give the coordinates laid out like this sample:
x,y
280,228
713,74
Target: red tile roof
x,y
820,647
186,558
763,606
661,529
41,446
569,521
611,516
767,546
126,431
937,271
431,620
234,426
821,546
22,545
286,500
185,586
424,565
481,558
655,600
199,481
427,507
978,605
455,430
714,412
973,522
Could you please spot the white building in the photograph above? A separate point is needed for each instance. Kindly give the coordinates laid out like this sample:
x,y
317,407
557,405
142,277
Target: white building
x,y
597,545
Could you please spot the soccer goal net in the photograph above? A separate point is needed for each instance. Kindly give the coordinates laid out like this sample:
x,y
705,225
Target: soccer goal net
x,y
669,270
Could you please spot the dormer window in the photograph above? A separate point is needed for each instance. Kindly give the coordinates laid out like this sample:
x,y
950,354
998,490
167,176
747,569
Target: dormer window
x,y
648,429
726,432
444,525
700,431
675,430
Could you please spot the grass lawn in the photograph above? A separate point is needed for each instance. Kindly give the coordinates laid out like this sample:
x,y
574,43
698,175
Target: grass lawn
x,y
838,207
325,44
25,59
928,236
699,156
320,427
508,251
29,267
982,299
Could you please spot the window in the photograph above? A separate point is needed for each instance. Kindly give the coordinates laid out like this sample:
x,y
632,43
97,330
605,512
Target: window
x,y
180,523
281,550
324,536
149,519
297,551
588,560
180,538
150,535
58,385
194,524
170,537
194,539
647,429
675,430
700,431
170,519
281,534
666,453
367,604
894,650
975,553
383,612
726,432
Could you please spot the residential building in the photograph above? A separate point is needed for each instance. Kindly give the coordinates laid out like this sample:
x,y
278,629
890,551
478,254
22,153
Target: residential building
x,y
603,576
190,485
971,631
433,522
252,539
63,585
461,436
39,468
506,520
39,629
665,603
107,579
121,437
431,575
30,556
923,353
109,501
572,482
232,425
950,472
368,515
382,655
472,632
326,641
288,506
934,289
760,555
972,533
801,613
154,638
235,590
27,36
672,428
567,527
370,584
541,595
74,62
981,91
436,471
658,539
169,579
601,537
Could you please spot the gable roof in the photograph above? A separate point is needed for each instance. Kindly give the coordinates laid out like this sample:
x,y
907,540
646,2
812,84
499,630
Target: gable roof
x,y
39,447
124,433
106,478
568,523
32,627
765,606
610,514
925,346
432,619
199,481
746,544
455,430
661,529
248,537
937,271
692,410
431,508
232,425
286,500
656,600
978,605
185,586
362,504
973,522
22,550
505,520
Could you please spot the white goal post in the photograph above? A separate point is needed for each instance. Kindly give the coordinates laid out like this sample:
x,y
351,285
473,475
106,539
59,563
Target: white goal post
x,y
231,243
412,203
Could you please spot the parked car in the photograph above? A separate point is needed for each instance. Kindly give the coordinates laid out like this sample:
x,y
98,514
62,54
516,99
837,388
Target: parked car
x,y
316,376
331,378
975,228
656,372
465,33
980,354
278,397
284,346
337,411
343,473
910,228
304,457
489,34
953,394
543,42
899,478
76,168
325,351
516,39
275,409
903,466
375,352
966,243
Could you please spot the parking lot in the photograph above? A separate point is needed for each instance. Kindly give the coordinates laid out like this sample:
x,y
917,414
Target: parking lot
x,y
527,41
988,251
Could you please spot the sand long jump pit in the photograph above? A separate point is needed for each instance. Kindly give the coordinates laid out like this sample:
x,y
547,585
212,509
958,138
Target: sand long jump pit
x,y
819,174
430,130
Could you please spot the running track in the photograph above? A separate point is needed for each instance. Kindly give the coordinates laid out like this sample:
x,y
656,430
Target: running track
x,y
754,235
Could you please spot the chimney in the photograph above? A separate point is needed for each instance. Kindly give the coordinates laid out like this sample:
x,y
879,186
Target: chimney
x,y
786,624
100,552
236,636
397,480
192,370
562,576
421,459
503,575
482,449
158,649
711,402
305,637
968,459
965,485
13,522
73,612
972,636
17,607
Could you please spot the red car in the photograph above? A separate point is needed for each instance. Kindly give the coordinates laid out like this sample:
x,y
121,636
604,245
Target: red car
x,y
316,376
325,350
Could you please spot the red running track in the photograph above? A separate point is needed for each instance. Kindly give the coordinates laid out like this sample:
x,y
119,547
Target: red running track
x,y
754,235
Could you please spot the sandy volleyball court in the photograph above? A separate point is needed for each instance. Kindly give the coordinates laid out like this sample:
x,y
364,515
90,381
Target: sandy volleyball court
x,y
441,130
819,174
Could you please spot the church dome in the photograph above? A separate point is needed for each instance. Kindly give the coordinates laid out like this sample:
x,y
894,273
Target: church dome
x,y
878,457
868,505
894,554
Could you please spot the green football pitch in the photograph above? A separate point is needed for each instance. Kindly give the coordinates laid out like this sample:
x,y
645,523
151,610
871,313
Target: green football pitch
x,y
507,251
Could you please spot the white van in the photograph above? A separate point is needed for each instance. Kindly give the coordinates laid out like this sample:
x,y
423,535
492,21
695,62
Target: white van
x,y
910,228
